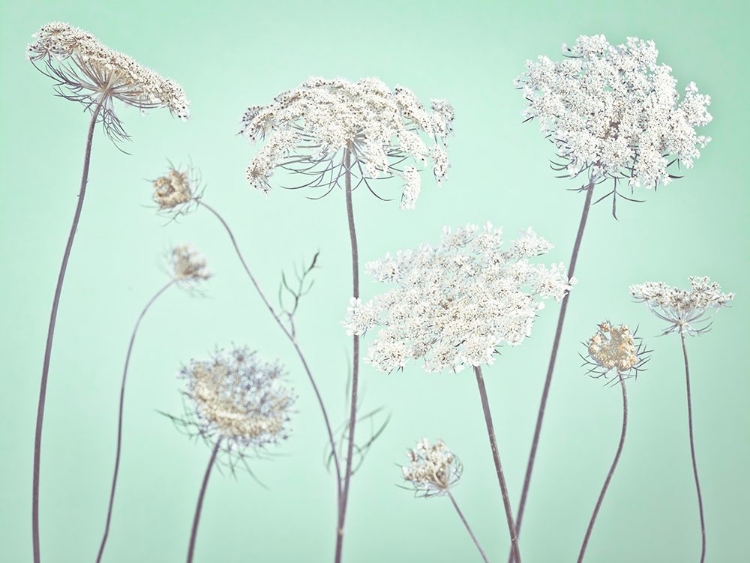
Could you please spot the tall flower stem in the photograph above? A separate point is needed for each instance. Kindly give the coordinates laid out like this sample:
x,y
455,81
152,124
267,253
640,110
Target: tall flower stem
x,y
51,333
199,507
611,471
468,528
293,339
692,449
498,465
355,356
553,358
120,419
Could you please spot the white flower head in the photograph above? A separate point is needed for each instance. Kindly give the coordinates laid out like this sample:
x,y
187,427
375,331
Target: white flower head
x,y
433,469
87,71
615,112
188,265
685,311
311,129
453,304
615,348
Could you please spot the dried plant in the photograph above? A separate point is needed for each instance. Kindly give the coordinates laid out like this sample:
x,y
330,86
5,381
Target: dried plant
x,y
688,313
613,113
86,71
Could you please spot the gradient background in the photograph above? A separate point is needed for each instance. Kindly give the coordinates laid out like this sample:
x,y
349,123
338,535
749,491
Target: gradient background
x,y
235,54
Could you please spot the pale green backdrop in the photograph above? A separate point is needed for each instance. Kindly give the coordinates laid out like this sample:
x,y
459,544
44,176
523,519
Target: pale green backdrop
x,y
229,55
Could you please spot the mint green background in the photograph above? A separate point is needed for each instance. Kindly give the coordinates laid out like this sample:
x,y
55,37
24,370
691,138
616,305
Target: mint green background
x,y
235,54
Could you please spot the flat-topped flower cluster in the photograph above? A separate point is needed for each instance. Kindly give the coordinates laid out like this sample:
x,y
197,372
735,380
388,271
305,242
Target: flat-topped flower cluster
x,y
306,129
614,111
453,304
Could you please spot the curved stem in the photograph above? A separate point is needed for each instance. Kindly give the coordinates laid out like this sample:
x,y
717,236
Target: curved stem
x,y
692,449
611,471
552,360
120,418
199,507
355,357
468,528
498,465
51,334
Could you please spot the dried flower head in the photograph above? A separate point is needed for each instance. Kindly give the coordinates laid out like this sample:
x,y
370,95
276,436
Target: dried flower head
x,y
239,399
455,303
309,129
615,348
614,112
683,310
188,264
87,71
175,191
433,470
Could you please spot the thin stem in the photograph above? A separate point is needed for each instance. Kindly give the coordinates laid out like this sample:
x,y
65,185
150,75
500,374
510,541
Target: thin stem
x,y
552,360
611,471
51,334
468,528
199,507
355,356
692,448
293,339
498,465
120,419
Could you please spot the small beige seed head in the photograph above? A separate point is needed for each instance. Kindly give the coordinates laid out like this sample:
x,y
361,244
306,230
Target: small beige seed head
x,y
614,348
433,470
172,190
188,264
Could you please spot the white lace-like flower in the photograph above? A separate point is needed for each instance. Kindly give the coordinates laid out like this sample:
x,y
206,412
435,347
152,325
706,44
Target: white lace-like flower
x,y
188,264
612,110
88,71
683,309
239,399
455,303
615,347
307,131
433,470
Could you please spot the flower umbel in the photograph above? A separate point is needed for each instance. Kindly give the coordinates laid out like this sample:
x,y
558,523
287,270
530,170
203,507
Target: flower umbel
x,y
455,303
615,348
188,264
615,112
308,129
433,470
685,311
87,71
175,191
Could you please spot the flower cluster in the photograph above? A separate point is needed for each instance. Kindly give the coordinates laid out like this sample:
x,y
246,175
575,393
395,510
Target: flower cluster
x,y
174,190
308,130
188,264
239,399
92,72
682,309
615,348
455,303
614,111
433,470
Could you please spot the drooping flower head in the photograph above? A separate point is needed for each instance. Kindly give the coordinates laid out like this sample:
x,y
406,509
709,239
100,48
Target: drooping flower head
x,y
453,304
176,190
433,469
87,71
188,265
614,112
237,398
312,130
685,311
615,348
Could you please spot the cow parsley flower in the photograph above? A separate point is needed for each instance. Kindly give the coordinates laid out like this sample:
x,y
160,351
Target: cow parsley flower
x,y
615,348
433,469
87,71
615,112
325,129
453,304
685,311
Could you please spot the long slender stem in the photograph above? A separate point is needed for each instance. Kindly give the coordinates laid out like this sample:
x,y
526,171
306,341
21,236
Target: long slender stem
x,y
293,339
552,360
51,334
468,528
692,449
611,471
498,465
199,507
355,357
120,419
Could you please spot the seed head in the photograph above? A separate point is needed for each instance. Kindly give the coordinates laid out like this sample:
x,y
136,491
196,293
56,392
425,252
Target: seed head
x,y
175,191
615,348
188,264
433,469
